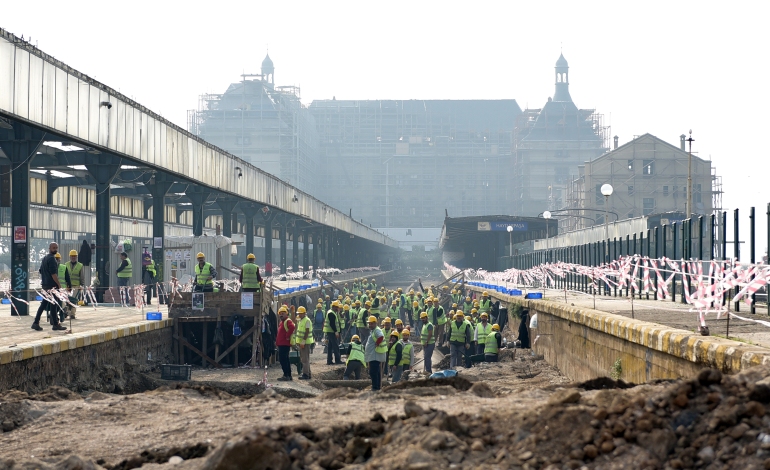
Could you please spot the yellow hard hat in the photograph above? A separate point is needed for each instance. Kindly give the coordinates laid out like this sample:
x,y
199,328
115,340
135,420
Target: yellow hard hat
x,y
395,302
57,256
319,306
327,296
419,294
358,303
336,303
454,305
346,307
415,303
399,289
368,304
473,310
411,291
483,315
467,299
495,327
372,319
424,315
355,338
283,309
475,303
399,322
485,294
405,333
386,320
445,287
73,253
301,310
339,297
251,256
395,333
200,255
320,300
459,315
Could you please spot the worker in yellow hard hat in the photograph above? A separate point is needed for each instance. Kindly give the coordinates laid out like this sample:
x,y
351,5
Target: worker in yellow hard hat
x,y
459,339
204,275
356,359
75,271
481,331
494,342
427,341
375,352
124,272
332,330
486,303
407,357
394,352
304,341
399,326
250,279
285,338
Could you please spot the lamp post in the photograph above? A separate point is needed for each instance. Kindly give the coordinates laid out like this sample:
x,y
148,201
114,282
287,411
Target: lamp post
x,y
606,192
546,216
510,241
690,140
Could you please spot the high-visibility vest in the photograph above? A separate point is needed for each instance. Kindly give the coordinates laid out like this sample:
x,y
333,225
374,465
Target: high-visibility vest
x,y
327,323
458,332
62,274
356,353
490,347
341,317
151,268
467,307
483,332
128,271
392,354
383,347
416,313
406,355
363,318
75,273
293,338
485,305
249,271
456,298
394,311
303,325
424,336
440,315
201,275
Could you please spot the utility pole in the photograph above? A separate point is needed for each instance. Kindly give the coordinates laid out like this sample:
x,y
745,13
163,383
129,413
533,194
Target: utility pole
x,y
690,140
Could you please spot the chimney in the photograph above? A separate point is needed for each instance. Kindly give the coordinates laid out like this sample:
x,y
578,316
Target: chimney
x,y
681,141
616,141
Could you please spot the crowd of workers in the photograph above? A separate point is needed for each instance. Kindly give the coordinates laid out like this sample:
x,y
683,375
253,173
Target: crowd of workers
x,y
377,330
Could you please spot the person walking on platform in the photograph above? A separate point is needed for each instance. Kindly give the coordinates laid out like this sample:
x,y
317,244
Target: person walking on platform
x,y
493,344
148,279
75,272
459,340
249,278
204,275
375,350
125,272
49,279
356,359
304,335
427,341
332,331
283,341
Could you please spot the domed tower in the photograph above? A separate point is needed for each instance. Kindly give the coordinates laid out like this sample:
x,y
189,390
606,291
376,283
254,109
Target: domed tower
x,y
562,80
268,70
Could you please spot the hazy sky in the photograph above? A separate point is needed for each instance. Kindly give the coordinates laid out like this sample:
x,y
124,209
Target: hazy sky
x,y
657,67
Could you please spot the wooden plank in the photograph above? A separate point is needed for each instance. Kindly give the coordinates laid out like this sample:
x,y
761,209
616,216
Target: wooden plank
x,y
205,340
236,343
216,347
192,348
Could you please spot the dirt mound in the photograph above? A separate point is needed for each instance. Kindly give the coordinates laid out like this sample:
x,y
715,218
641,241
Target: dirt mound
x,y
456,382
604,383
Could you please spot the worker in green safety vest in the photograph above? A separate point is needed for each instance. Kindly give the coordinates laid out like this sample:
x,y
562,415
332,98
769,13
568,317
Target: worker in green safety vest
x,y
486,304
356,359
332,329
125,272
426,339
63,273
75,270
483,329
149,278
407,357
459,339
250,279
204,275
493,344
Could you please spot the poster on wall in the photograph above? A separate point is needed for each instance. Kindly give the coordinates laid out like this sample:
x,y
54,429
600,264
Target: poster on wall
x,y
177,254
20,234
169,255
157,242
247,300
187,254
197,301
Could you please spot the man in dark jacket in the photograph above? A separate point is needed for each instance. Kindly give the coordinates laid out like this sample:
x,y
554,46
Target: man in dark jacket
x,y
49,277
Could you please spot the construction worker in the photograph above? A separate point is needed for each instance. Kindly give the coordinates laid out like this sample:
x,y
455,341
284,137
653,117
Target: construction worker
x,y
149,273
439,319
304,341
395,310
414,317
354,308
395,349
356,359
399,327
75,271
486,304
318,322
250,279
456,297
346,322
459,340
332,333
493,344
204,275
283,340
467,306
124,272
376,348
407,357
64,275
426,339
363,315
345,289
387,326
482,330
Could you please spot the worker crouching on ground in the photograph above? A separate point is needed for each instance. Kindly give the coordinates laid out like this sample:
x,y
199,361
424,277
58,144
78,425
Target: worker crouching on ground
x,y
250,279
407,357
459,339
375,350
494,342
356,359
427,341
284,340
304,341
